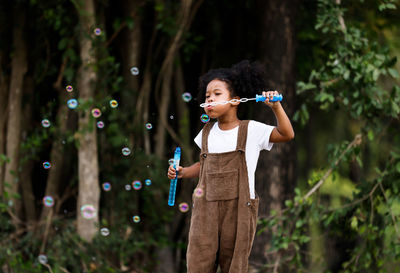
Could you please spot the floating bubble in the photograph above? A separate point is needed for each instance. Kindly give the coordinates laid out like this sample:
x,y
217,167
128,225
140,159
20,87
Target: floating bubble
x,y
204,118
186,97
69,88
100,124
72,103
42,259
171,117
46,165
106,186
137,185
183,207
97,31
171,161
48,201
96,112
104,231
135,71
88,211
147,182
126,151
45,123
136,218
10,203
149,126
113,103
128,187
198,192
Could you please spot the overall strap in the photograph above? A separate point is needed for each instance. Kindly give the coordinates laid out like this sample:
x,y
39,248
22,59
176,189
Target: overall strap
x,y
204,136
242,135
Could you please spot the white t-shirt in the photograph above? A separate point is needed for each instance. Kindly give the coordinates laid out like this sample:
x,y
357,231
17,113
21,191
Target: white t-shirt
x,y
221,141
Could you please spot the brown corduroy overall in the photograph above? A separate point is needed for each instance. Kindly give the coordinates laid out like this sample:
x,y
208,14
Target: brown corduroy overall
x,y
224,218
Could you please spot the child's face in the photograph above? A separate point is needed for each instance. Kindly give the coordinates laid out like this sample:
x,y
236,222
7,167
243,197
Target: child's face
x,y
217,91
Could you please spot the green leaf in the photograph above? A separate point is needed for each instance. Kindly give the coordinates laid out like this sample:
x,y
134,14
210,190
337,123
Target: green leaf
x,y
393,72
354,222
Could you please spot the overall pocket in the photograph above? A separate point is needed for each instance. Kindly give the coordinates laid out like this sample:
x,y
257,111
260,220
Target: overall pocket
x,y
222,185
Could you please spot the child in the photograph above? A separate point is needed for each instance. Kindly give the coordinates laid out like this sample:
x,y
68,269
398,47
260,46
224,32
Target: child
x,y
225,204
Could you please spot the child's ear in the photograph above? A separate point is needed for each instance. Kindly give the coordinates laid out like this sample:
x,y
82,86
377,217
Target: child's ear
x,y
236,103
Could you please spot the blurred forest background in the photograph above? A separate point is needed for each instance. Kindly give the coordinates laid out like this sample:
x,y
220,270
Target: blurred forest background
x,y
96,94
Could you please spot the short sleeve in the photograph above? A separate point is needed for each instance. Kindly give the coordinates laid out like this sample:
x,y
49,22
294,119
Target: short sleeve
x,y
198,139
262,133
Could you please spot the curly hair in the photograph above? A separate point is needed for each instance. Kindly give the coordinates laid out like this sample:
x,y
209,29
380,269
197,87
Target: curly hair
x,y
243,79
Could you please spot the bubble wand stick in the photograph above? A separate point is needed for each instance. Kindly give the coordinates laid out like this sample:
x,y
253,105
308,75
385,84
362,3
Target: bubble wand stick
x,y
257,99
172,185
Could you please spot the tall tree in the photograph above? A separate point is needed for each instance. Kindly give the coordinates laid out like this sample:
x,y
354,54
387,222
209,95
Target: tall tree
x,y
19,68
88,166
276,175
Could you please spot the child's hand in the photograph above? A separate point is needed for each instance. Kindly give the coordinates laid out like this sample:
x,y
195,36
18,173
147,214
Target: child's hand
x,y
269,95
172,172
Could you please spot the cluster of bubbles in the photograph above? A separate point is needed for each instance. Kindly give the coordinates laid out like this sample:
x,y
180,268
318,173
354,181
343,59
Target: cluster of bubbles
x,y
46,165
48,201
88,211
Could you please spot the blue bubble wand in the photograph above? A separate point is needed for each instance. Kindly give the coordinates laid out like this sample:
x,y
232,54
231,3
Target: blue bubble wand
x,y
172,185
257,99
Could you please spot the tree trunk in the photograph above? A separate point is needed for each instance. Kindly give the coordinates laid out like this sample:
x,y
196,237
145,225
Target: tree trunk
x,y
27,163
88,166
3,119
57,155
276,176
19,68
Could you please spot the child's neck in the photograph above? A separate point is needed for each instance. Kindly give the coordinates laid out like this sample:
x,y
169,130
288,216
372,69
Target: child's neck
x,y
227,123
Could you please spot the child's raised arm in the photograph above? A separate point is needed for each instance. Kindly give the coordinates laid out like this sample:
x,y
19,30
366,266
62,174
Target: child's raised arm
x,y
284,131
187,172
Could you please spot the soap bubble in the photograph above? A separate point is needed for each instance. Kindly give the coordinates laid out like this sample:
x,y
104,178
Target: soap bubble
x,y
126,151
104,231
113,103
183,207
198,192
128,187
171,161
69,88
137,185
106,186
72,103
186,97
135,71
46,165
97,31
204,118
171,117
147,182
45,123
136,218
96,113
48,201
88,211
100,124
42,259
149,126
